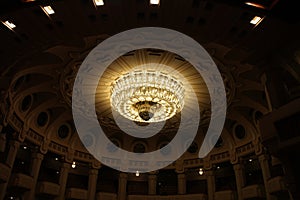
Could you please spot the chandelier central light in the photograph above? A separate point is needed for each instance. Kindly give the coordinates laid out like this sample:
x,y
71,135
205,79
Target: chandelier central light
x,y
147,96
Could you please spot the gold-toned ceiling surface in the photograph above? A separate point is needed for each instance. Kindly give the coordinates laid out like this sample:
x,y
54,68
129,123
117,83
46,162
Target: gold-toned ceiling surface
x,y
49,86
157,60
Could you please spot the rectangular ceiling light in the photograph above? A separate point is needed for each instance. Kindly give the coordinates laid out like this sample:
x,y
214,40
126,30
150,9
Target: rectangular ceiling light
x,y
255,5
27,1
98,2
9,25
154,2
256,20
48,10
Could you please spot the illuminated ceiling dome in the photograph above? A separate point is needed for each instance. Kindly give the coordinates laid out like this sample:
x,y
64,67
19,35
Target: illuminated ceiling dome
x,y
40,58
147,96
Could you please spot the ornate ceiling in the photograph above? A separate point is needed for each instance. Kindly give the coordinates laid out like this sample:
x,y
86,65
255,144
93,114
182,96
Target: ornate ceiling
x,y
47,88
40,59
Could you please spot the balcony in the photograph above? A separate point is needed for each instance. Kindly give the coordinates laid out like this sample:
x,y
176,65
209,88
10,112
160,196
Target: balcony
x,y
21,181
48,188
76,193
106,196
169,197
253,191
277,184
4,175
225,195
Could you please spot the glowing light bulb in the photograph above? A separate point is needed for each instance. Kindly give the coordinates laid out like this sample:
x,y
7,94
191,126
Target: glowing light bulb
x,y
73,164
201,172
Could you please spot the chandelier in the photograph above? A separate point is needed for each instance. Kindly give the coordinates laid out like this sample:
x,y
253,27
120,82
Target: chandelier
x,y
147,96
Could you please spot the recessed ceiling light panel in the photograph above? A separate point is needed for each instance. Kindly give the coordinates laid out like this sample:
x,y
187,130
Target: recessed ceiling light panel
x,y
9,25
48,10
255,5
154,2
98,2
256,20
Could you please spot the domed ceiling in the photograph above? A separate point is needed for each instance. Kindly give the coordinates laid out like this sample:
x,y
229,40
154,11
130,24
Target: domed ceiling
x,y
40,95
38,102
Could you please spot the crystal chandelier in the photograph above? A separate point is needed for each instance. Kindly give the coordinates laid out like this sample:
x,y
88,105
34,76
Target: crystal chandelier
x,y
147,96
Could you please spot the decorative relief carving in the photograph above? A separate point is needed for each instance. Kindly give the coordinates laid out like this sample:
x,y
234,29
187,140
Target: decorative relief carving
x,y
35,136
67,79
18,124
245,149
220,157
44,146
230,86
82,155
193,162
23,133
57,147
70,155
96,164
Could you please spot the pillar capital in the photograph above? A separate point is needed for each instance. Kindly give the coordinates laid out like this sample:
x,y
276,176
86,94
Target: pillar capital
x,y
66,165
238,166
70,155
15,143
206,163
179,166
153,173
263,157
38,155
233,156
152,176
93,171
258,146
44,146
123,175
24,132
209,172
96,164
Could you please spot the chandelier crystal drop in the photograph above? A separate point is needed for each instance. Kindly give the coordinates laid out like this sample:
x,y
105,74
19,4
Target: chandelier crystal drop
x,y
147,96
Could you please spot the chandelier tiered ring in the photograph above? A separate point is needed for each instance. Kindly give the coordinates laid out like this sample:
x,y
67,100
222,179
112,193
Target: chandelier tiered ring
x,y
147,96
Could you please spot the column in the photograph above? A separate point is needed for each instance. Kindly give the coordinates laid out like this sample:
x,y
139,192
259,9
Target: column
x,y
211,188
181,183
264,164
37,159
93,176
2,142
13,150
240,178
152,178
63,178
12,153
122,186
